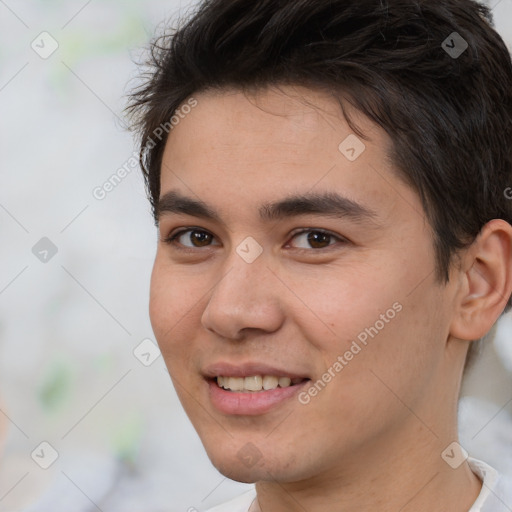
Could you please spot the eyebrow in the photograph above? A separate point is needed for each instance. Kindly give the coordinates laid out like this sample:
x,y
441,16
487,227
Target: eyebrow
x,y
328,204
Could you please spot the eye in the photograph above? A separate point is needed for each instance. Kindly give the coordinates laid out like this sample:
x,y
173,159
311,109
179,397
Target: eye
x,y
316,239
195,238
191,237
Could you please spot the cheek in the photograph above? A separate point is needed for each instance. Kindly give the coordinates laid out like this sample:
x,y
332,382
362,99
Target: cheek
x,y
371,319
396,357
343,302
173,306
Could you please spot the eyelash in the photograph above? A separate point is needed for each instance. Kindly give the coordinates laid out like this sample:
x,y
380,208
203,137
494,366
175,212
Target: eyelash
x,y
171,239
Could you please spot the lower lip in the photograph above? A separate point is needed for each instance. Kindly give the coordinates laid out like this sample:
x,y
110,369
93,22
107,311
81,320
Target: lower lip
x,y
250,403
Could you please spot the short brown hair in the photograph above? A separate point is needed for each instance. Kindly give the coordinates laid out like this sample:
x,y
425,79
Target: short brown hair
x,y
448,113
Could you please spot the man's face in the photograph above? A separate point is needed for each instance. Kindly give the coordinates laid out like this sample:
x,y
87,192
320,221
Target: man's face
x,y
333,292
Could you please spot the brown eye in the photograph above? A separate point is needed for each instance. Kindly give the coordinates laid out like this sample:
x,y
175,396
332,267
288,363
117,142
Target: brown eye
x,y
193,238
318,240
200,238
315,239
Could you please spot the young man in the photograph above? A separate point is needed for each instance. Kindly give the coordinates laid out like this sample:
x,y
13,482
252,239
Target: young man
x,y
329,180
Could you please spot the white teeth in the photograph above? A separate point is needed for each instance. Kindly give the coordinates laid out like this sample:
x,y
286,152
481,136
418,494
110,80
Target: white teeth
x,y
284,382
255,382
234,383
270,382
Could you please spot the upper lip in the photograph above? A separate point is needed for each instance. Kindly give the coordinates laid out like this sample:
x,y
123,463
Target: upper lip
x,y
248,369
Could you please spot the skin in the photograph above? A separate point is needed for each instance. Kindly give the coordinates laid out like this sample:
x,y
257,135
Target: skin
x,y
372,438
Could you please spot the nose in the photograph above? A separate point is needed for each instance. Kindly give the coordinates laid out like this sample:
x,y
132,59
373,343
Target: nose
x,y
244,299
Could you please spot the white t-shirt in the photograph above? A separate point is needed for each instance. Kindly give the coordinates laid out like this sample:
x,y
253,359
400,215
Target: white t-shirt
x,y
495,496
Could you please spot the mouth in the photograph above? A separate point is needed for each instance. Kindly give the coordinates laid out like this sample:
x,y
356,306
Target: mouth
x,y
256,383
251,389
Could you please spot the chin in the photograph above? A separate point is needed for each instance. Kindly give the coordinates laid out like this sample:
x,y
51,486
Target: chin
x,y
239,474
229,465
249,465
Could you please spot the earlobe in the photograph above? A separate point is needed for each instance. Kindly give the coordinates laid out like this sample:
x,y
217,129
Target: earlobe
x,y
487,281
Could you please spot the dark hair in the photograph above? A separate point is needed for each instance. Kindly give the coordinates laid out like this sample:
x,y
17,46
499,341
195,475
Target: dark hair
x,y
402,63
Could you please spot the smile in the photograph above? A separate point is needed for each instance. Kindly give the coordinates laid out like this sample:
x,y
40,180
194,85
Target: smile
x,y
253,395
255,383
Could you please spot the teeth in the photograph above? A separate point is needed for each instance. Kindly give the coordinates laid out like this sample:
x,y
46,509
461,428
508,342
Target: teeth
x,y
284,382
235,383
270,382
255,382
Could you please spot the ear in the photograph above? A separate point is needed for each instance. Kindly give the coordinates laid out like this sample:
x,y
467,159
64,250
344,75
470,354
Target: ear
x,y
486,283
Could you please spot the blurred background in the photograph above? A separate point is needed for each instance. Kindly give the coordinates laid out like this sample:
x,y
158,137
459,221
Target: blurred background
x,y
88,416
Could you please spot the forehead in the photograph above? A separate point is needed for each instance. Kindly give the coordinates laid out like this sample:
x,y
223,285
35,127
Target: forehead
x,y
248,148
304,121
